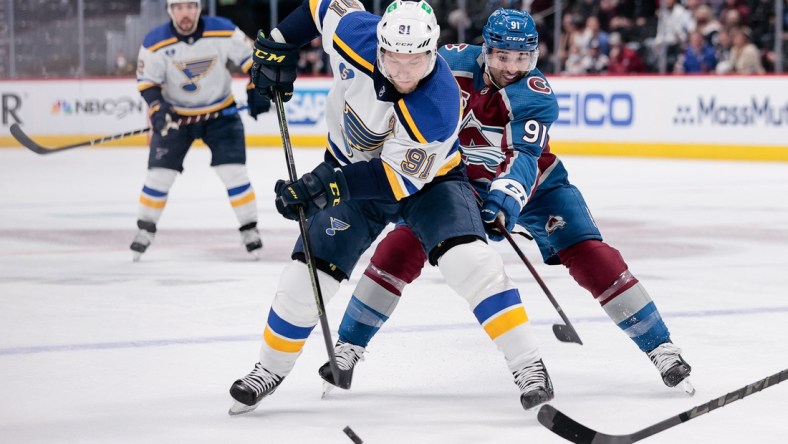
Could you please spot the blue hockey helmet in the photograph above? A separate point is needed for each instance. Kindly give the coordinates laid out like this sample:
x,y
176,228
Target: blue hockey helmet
x,y
511,29
513,33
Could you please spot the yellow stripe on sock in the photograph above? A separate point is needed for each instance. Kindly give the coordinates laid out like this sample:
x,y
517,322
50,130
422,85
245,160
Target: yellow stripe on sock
x,y
281,344
243,201
506,321
150,203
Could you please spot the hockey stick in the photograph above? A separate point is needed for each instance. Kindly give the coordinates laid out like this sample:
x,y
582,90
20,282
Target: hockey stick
x,y
573,431
563,332
30,144
310,260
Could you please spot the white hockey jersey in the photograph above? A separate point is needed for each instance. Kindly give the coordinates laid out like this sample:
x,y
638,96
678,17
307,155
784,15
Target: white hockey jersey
x,y
414,135
192,70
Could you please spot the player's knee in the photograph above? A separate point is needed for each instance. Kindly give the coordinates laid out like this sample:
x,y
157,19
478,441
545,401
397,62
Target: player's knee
x,y
400,254
295,297
160,179
594,264
232,174
474,270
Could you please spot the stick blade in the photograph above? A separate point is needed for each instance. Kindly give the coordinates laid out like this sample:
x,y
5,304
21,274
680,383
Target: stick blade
x,y
566,333
573,431
26,141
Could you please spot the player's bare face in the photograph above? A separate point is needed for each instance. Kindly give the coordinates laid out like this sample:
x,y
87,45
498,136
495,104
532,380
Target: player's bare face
x,y
405,70
507,67
185,16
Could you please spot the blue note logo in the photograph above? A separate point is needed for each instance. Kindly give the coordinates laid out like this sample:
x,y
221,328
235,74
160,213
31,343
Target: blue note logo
x,y
337,225
195,70
345,72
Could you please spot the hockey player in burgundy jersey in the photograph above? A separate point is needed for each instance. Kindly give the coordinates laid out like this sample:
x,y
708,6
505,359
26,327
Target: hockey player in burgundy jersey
x,y
509,107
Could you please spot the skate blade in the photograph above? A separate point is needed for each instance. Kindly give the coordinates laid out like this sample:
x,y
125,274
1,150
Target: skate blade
x,y
327,389
239,408
686,387
136,257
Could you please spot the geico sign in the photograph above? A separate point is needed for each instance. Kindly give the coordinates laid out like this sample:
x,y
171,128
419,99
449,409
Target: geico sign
x,y
595,109
119,107
307,107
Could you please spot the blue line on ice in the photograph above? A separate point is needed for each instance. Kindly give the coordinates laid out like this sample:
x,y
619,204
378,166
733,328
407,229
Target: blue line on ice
x,y
393,330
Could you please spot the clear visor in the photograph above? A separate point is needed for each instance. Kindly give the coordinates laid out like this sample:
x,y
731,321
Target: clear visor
x,y
510,61
404,67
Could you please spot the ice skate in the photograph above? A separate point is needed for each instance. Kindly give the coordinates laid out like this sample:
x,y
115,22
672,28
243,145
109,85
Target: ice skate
x,y
250,237
250,390
143,239
535,385
674,369
347,356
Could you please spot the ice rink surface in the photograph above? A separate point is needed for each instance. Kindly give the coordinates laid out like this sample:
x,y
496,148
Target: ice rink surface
x,y
97,349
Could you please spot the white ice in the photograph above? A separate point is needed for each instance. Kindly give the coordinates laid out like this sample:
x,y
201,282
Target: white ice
x,y
97,349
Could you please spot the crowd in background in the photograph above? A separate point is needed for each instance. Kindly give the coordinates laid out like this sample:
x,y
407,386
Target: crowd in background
x,y
626,36
597,36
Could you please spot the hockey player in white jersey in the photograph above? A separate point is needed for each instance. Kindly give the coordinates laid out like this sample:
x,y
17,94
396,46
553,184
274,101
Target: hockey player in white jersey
x,y
182,72
393,113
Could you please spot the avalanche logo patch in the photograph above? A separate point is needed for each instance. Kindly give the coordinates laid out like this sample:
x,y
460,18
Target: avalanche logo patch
x,y
345,72
337,225
554,223
456,47
539,85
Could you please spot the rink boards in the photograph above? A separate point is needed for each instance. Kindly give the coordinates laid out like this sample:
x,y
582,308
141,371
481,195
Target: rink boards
x,y
709,117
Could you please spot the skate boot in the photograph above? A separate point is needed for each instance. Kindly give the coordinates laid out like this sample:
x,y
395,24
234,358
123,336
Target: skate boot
x,y
251,238
347,356
250,390
143,238
535,385
673,368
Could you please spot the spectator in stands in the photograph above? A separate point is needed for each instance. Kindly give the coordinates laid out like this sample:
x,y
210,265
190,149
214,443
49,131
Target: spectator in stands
x,y
731,19
593,33
722,51
571,37
707,24
698,58
595,61
122,65
740,6
623,60
745,56
673,29
312,59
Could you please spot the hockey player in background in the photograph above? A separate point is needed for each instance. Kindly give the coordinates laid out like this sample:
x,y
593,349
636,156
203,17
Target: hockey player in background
x,y
182,71
393,112
509,108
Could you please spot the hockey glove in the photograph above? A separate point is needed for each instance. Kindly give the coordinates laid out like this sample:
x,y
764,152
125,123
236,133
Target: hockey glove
x,y
323,187
507,199
162,117
274,67
257,103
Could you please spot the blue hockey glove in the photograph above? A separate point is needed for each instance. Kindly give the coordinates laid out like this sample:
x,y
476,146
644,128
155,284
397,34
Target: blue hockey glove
x,y
162,117
274,67
323,187
506,197
257,103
